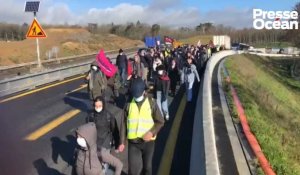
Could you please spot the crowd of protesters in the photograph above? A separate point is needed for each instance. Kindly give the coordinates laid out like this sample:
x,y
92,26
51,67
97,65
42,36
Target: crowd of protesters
x,y
149,78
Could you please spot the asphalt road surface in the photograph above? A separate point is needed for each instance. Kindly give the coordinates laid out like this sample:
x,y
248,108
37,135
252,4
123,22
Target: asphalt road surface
x,y
38,131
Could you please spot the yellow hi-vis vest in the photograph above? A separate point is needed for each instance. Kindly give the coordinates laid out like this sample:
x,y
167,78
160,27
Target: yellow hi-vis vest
x,y
139,121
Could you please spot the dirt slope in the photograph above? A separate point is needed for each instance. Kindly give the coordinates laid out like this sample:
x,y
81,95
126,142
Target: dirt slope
x,y
68,41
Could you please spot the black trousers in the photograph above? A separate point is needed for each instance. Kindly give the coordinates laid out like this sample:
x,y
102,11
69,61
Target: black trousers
x,y
140,158
173,85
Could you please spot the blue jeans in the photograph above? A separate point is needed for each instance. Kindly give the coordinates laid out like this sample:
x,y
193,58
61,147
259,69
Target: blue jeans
x,y
123,75
189,91
162,105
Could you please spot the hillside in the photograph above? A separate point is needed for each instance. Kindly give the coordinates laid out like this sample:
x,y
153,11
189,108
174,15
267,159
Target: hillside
x,y
68,41
270,97
194,40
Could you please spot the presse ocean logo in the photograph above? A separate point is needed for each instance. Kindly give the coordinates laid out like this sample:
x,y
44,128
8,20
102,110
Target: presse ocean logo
x,y
284,20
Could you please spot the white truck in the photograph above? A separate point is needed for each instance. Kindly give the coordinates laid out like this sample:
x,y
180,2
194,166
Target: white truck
x,y
222,40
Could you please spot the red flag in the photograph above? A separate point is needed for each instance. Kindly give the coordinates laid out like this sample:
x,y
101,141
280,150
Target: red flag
x,y
168,40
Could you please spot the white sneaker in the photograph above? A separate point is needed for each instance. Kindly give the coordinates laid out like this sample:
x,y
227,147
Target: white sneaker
x,y
167,117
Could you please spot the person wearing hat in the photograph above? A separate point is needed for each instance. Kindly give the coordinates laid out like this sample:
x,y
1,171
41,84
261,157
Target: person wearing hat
x,y
144,120
122,64
161,86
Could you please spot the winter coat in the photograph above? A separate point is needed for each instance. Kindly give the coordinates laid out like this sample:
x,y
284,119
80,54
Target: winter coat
x,y
144,61
97,83
138,69
108,126
121,61
113,86
162,83
174,73
87,162
189,74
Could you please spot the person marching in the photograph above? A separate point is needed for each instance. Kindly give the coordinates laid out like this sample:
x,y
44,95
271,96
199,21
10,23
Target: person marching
x,y
174,77
97,82
188,77
162,85
87,162
144,120
122,66
106,125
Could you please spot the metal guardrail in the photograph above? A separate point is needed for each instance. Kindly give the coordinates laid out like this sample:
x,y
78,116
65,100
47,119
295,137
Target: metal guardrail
x,y
64,58
30,81
7,72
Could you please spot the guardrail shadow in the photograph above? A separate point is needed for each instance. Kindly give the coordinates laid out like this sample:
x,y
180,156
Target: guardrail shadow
x,y
79,100
79,95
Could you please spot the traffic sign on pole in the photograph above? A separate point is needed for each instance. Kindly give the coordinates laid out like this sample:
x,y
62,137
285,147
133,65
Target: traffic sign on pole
x,y
35,30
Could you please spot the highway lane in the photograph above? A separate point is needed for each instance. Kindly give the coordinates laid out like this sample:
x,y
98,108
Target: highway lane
x,y
51,152
22,116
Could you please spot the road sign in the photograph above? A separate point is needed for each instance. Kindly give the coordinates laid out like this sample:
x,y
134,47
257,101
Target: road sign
x,y
35,30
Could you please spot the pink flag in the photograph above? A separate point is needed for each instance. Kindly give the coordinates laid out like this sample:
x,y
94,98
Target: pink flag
x,y
105,65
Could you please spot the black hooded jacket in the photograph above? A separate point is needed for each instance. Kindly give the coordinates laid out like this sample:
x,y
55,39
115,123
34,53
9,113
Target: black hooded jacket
x,y
106,127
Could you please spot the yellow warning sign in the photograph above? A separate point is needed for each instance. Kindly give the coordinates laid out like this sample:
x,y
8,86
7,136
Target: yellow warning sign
x,y
35,30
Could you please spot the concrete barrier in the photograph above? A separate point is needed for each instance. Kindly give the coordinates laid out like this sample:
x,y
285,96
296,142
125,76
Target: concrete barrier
x,y
211,157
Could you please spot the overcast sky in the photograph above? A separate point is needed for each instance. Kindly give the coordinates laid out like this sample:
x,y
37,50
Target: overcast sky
x,y
174,13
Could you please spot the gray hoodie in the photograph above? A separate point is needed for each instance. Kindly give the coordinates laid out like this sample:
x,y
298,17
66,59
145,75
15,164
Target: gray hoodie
x,y
87,162
188,76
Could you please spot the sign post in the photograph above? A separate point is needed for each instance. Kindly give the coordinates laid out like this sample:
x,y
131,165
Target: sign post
x,y
35,30
38,53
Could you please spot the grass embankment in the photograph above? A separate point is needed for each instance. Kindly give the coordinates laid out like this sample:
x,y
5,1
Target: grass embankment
x,y
271,99
194,40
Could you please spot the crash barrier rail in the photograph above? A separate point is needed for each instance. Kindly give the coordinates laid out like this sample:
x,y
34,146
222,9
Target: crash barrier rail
x,y
25,68
130,49
30,81
264,163
210,150
271,54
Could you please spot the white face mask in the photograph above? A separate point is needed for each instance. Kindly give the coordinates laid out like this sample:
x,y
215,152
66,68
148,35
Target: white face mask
x,y
98,109
95,68
81,142
173,65
160,72
139,99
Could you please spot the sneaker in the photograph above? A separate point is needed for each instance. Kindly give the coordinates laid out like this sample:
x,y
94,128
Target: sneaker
x,y
167,117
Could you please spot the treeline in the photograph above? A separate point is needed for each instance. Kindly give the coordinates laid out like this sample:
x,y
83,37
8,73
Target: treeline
x,y
246,35
139,30
13,32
